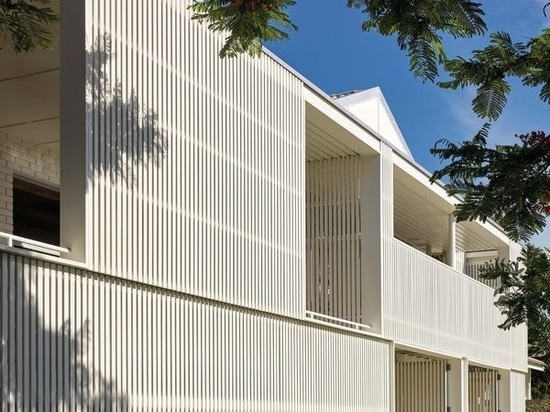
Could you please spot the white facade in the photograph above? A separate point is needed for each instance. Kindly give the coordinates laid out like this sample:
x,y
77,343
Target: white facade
x,y
231,238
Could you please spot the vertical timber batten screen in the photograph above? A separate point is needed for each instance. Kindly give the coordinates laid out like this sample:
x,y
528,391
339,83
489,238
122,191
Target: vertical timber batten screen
x,y
73,339
333,238
482,390
197,163
420,385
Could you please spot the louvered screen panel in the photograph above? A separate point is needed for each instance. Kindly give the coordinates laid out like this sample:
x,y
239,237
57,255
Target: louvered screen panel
x,y
420,385
482,390
333,238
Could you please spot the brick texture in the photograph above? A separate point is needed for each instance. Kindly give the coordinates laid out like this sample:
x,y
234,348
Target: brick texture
x,y
23,159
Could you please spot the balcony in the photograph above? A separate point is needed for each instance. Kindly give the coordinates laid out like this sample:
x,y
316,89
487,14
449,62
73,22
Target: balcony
x,y
427,304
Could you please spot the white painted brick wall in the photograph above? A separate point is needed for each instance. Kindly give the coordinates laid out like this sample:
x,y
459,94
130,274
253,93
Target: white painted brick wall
x,y
23,159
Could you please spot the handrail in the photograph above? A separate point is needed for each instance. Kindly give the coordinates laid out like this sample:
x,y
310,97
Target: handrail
x,y
340,321
34,245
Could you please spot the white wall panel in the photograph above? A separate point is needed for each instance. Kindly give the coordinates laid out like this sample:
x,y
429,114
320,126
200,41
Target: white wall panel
x,y
81,340
430,305
196,174
517,383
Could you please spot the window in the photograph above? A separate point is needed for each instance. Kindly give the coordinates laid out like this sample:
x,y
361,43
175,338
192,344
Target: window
x,y
35,212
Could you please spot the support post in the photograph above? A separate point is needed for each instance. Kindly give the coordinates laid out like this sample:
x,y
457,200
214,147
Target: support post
x,y
452,242
504,391
73,129
457,385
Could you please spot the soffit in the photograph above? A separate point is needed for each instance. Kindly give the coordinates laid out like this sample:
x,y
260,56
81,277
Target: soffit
x,y
326,138
421,217
29,86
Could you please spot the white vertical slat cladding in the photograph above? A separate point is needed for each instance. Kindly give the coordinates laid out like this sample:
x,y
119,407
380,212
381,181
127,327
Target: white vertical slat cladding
x,y
430,305
420,385
77,339
333,237
197,174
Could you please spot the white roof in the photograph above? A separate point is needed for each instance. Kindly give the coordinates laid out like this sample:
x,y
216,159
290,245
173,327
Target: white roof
x,y
371,107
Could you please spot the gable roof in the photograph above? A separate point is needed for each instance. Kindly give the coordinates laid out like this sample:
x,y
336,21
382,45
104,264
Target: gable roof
x,y
371,107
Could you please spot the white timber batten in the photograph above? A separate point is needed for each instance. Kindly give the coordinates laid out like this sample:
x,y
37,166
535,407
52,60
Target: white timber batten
x,y
430,305
452,242
195,172
75,339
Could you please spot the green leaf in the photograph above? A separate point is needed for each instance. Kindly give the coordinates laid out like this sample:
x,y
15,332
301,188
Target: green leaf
x,y
247,23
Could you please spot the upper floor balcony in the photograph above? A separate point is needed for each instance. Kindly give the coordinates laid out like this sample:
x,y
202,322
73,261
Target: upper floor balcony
x,y
385,255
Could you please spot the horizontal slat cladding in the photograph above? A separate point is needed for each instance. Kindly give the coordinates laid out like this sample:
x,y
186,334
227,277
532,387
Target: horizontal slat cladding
x,y
75,339
430,305
197,163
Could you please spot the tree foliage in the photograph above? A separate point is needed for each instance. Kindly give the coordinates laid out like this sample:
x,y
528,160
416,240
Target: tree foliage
x,y
26,25
490,67
419,25
508,183
248,22
524,297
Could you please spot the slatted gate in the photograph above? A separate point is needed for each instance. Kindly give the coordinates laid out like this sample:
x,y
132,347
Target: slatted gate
x,y
420,384
482,390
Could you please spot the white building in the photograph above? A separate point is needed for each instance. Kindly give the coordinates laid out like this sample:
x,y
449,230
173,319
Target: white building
x,y
231,237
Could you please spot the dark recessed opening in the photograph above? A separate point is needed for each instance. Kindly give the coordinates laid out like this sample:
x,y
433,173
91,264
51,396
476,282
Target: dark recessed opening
x,y
35,212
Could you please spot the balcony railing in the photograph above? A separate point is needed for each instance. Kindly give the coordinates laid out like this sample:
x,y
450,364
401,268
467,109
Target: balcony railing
x,y
428,304
474,272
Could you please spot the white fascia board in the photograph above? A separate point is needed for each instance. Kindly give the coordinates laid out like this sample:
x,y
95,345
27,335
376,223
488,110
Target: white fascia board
x,y
535,364
485,254
343,119
438,354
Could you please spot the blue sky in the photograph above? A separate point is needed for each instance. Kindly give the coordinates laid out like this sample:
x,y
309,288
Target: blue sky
x,y
331,51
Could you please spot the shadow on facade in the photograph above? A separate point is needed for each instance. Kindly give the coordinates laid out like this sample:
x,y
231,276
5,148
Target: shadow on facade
x,y
126,133
43,368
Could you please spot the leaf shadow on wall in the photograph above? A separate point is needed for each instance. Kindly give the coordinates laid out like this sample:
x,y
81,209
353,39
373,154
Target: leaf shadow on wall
x,y
45,368
126,132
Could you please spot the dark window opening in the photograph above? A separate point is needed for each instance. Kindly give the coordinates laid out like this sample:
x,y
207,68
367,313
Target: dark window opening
x,y
35,212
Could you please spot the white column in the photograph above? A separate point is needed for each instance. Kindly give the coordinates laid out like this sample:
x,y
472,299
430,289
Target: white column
x,y
73,128
376,232
452,242
457,385
504,392
371,242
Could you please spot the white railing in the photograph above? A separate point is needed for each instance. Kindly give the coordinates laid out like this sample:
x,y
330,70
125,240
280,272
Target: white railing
x,y
33,245
474,272
428,304
338,321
